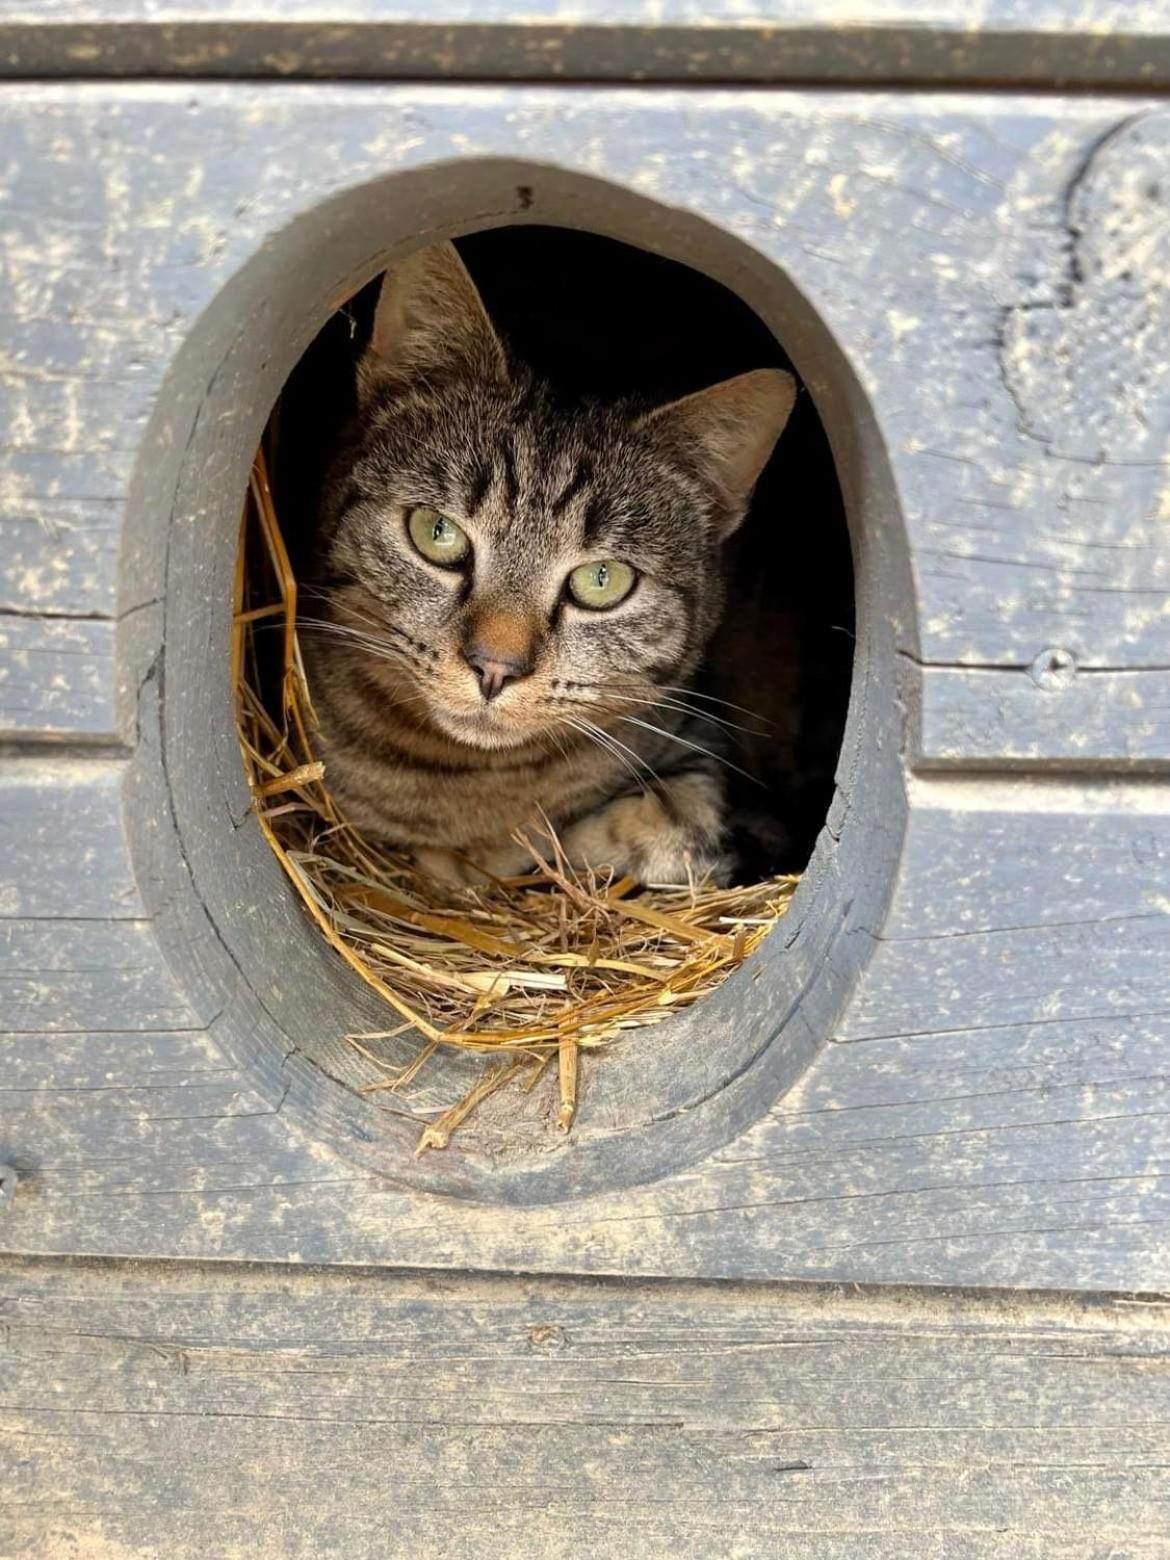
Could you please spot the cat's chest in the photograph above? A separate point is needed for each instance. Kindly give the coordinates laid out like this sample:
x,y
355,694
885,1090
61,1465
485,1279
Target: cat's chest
x,y
414,801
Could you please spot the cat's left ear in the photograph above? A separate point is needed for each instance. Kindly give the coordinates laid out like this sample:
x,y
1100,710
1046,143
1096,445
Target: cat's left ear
x,y
735,426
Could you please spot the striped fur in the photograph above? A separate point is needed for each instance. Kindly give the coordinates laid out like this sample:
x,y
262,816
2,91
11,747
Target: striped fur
x,y
604,736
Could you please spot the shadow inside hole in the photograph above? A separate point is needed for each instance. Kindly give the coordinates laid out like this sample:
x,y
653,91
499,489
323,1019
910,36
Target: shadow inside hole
x,y
601,318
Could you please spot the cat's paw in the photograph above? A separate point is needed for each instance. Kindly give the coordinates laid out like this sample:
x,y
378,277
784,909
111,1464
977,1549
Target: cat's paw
x,y
446,867
667,837
472,871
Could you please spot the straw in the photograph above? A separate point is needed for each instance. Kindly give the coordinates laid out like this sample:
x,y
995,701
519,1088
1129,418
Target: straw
x,y
524,971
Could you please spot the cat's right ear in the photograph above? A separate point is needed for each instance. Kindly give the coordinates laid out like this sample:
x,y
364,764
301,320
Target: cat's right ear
x,y
430,321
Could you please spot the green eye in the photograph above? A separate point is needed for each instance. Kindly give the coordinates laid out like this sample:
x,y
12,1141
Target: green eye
x,y
437,538
599,585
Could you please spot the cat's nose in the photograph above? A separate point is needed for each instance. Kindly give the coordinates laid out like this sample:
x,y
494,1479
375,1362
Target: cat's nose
x,y
493,671
500,648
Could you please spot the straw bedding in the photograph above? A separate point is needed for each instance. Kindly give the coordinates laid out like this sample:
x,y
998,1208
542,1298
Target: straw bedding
x,y
527,971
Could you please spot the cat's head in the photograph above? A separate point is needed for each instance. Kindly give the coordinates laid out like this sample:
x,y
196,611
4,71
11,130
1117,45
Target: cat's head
x,y
514,562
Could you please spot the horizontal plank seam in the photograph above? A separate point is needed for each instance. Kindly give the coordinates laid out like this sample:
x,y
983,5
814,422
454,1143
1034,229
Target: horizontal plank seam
x,y
1083,669
54,615
850,78
1095,1309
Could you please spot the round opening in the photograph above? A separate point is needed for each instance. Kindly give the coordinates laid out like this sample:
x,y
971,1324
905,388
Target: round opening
x,y
627,301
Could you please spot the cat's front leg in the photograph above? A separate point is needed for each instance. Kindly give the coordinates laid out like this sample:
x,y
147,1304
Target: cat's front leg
x,y
477,867
670,834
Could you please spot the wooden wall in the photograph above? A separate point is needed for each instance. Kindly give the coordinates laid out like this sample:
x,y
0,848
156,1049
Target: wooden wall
x,y
954,1075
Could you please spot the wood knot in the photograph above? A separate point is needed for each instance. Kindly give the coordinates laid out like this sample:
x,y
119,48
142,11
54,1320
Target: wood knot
x,y
547,1339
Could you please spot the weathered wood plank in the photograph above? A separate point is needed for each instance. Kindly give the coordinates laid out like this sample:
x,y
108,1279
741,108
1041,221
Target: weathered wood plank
x,y
67,975
1013,1186
993,1109
1049,715
186,1411
1005,41
1030,922
1033,491
57,679
84,1061
1021,905
1081,350
1038,1165
63,848
57,556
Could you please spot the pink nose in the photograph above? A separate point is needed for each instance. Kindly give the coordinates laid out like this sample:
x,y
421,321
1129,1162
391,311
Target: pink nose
x,y
494,672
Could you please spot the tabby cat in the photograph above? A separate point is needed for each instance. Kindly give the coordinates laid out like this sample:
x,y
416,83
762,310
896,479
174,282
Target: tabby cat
x,y
517,591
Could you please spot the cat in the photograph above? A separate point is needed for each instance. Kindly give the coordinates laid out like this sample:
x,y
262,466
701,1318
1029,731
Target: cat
x,y
518,589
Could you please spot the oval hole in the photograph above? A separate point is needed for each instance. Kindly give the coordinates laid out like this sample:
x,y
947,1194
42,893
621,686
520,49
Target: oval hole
x,y
601,267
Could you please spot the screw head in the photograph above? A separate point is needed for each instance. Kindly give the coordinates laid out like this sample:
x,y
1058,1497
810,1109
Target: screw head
x,y
1053,668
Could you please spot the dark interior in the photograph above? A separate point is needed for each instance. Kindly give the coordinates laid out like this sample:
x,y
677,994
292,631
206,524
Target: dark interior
x,y
600,317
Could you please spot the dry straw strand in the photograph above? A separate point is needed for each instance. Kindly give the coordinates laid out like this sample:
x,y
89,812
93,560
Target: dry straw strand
x,y
527,970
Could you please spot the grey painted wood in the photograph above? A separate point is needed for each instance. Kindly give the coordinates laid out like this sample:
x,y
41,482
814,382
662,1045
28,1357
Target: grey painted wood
x,y
1055,910
947,182
84,974
959,252
57,556
56,678
62,840
1003,41
992,1108
1047,716
932,235
1099,17
189,1411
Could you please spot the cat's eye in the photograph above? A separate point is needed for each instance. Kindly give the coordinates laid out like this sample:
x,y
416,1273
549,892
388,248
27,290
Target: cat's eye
x,y
603,584
438,539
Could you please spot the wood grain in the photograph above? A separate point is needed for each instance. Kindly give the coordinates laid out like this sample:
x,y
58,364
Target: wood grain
x,y
63,841
187,1411
1048,716
56,679
960,253
992,1108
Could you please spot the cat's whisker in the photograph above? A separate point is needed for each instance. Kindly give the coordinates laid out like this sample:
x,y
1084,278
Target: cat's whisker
x,y
611,737
598,738
682,691
679,689
331,625
382,652
558,743
614,747
407,698
679,706
696,747
337,632
685,709
623,747
710,698
583,731
385,648
375,620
